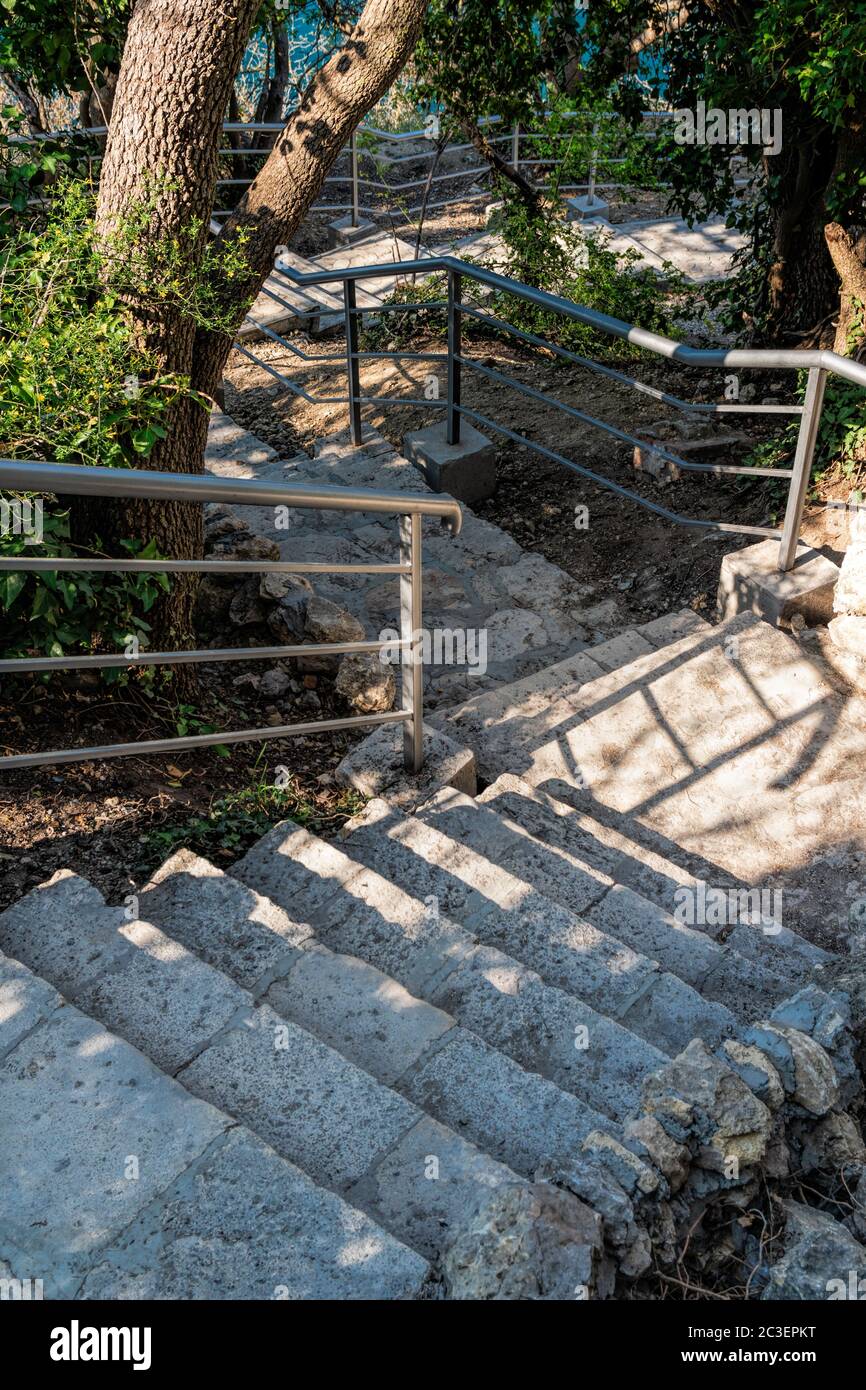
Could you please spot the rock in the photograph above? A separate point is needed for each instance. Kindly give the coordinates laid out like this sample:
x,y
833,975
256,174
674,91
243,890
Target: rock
x,y
850,596
328,622
757,1071
805,1069
286,620
249,547
274,683
630,1171
833,1145
822,1260
246,608
526,1242
535,582
365,683
248,681
849,634
277,585
594,1184
700,1101
669,1157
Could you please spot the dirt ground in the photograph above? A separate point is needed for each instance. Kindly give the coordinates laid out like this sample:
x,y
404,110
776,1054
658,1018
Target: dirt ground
x,y
648,564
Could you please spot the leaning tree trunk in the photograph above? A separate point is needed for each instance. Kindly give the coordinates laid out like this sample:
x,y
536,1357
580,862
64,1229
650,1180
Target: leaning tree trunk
x,y
848,250
802,289
178,68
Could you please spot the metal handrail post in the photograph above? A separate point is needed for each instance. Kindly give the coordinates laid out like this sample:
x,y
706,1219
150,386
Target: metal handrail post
x,y
810,423
515,146
356,198
353,371
455,340
593,166
411,634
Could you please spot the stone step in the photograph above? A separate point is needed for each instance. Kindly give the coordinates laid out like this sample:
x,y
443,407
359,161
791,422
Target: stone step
x,y
708,751
492,881
360,912
118,1183
403,1042
344,1129
528,712
566,851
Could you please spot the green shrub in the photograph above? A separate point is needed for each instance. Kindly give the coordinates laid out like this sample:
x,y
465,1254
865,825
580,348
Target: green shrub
x,y
75,388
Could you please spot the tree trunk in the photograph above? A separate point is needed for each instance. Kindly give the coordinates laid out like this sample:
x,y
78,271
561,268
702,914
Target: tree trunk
x,y
333,105
500,166
178,68
848,250
802,290
176,78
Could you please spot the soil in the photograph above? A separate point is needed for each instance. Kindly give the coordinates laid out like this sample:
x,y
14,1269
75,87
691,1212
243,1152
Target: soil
x,y
116,821
648,564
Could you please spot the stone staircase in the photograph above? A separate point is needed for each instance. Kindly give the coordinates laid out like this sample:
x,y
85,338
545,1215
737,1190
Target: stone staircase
x,y
318,308
467,1048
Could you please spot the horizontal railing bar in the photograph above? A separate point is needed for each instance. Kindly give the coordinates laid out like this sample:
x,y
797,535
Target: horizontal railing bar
x,y
298,352
289,385
180,745
761,359
403,356
623,435
695,407
403,400
106,661
616,487
72,565
400,308
81,480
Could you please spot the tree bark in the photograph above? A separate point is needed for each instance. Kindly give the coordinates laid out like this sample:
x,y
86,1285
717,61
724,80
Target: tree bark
x,y
848,250
176,78
333,105
500,166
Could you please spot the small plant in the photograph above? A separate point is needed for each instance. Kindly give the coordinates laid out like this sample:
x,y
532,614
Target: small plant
x,y
240,818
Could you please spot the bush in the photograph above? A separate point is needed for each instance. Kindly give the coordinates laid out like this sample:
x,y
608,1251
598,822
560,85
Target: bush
x,y
75,388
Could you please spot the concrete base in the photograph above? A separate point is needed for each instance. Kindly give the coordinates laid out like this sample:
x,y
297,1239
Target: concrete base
x,y
375,767
342,233
579,209
751,582
466,470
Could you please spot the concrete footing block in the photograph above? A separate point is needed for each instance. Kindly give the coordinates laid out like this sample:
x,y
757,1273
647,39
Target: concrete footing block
x,y
751,582
375,767
466,470
579,209
342,233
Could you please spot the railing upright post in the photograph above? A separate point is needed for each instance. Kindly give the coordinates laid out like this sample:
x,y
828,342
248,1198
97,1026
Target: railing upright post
x,y
455,348
412,655
350,304
810,423
356,196
515,146
593,166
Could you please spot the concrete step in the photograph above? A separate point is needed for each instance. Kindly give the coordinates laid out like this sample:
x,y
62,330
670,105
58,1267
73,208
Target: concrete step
x,y
358,911
405,1043
345,1130
567,850
708,751
527,713
492,881
118,1183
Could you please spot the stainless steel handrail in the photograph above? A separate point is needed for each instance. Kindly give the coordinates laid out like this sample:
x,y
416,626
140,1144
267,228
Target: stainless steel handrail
x,y
820,363
83,481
